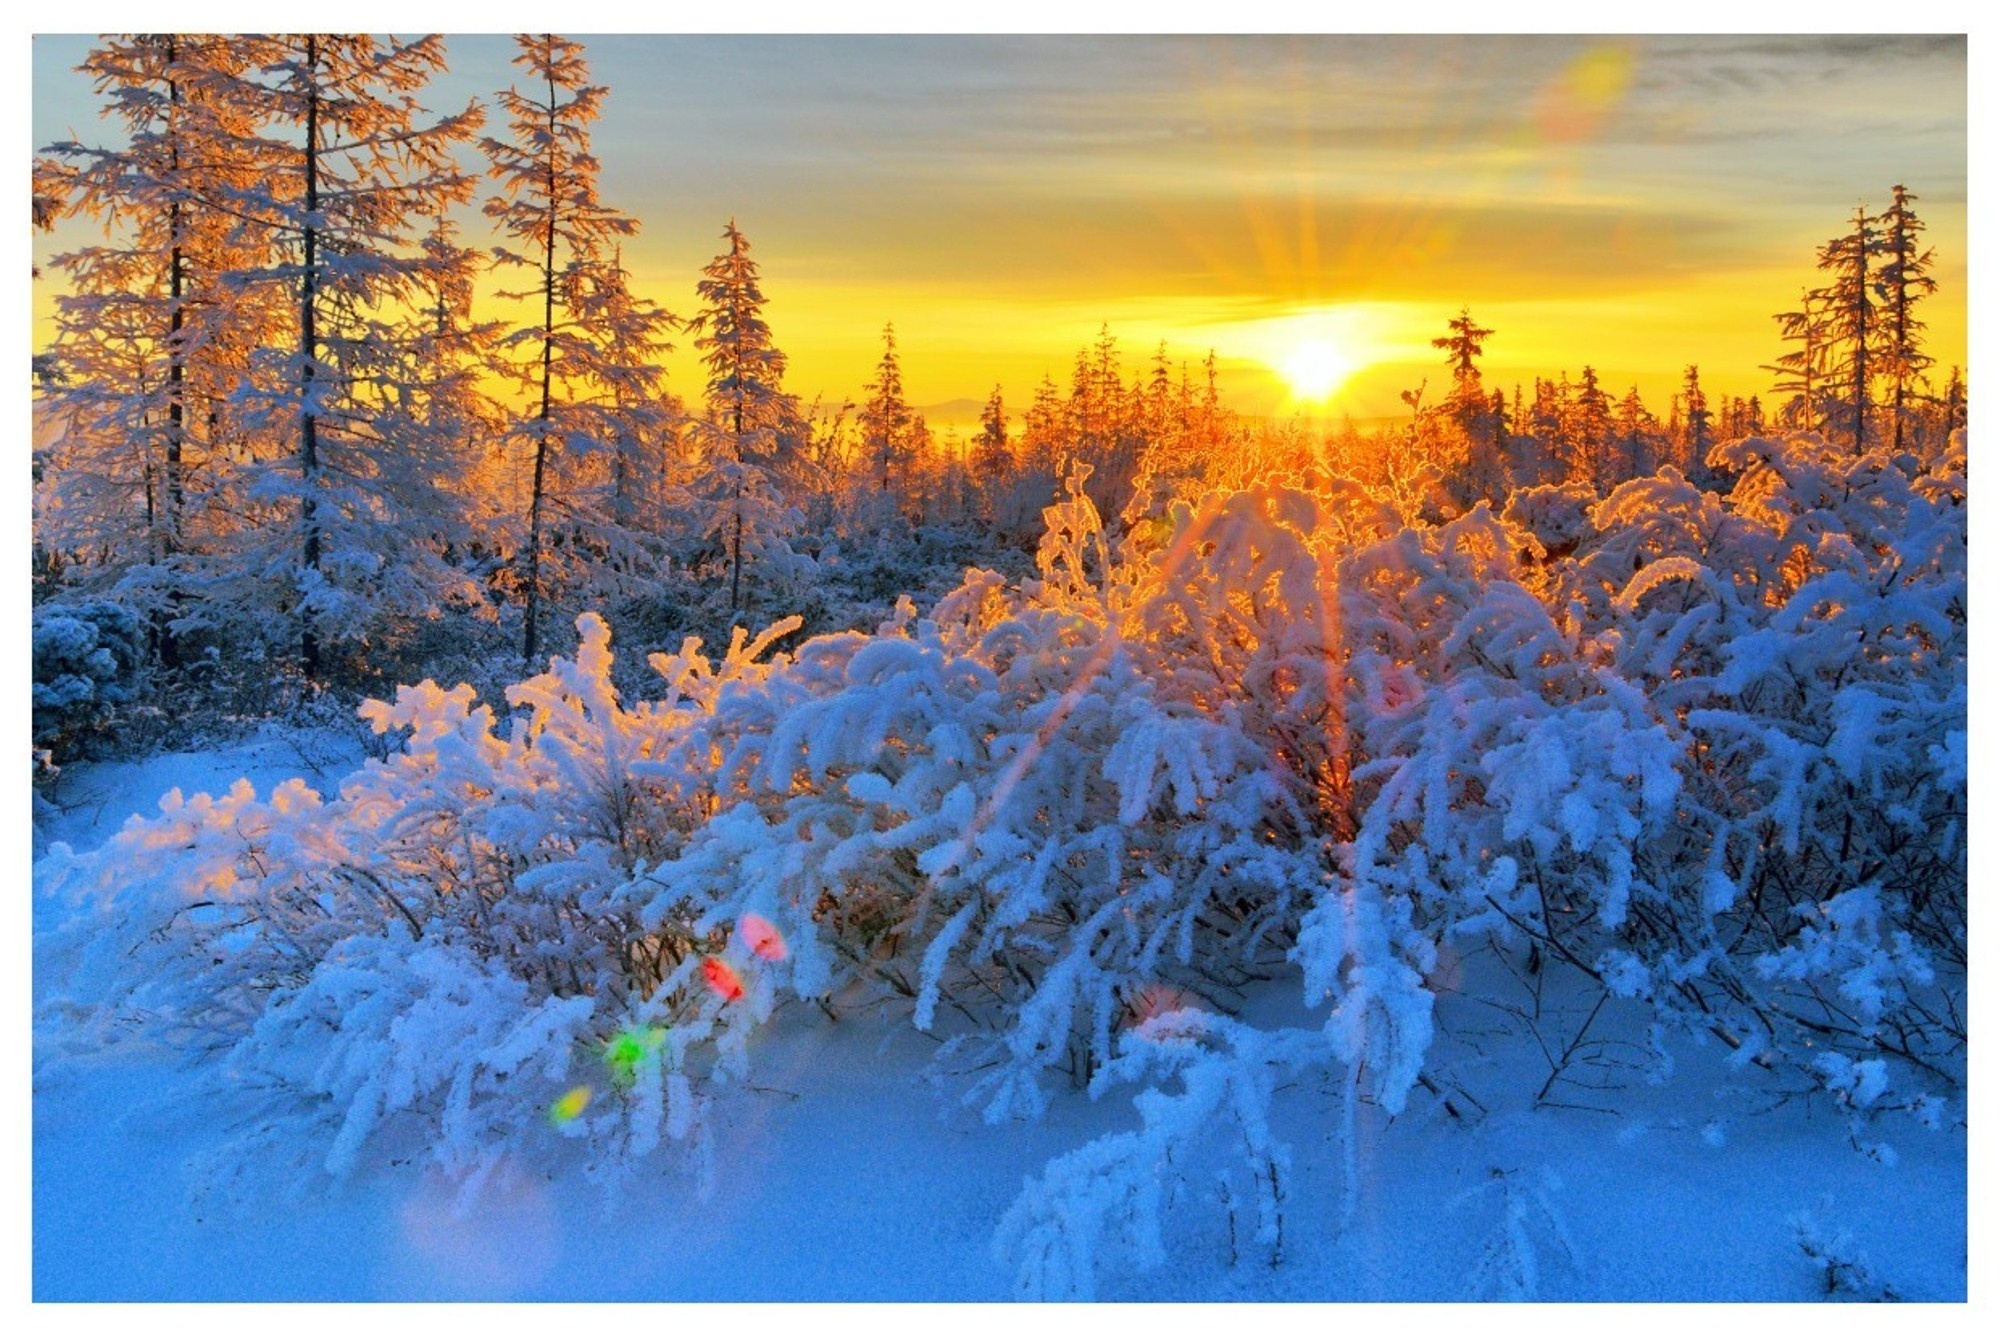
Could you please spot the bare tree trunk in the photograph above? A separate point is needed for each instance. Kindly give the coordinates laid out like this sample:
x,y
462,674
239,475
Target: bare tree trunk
x,y
531,636
736,541
309,347
170,533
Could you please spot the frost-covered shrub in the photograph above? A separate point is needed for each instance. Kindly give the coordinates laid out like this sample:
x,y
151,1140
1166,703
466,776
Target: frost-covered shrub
x,y
999,800
1805,646
1557,517
1712,760
1106,1200
86,659
1526,1227
444,943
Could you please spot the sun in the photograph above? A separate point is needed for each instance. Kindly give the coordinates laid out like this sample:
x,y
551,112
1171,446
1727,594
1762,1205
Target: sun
x,y
1316,369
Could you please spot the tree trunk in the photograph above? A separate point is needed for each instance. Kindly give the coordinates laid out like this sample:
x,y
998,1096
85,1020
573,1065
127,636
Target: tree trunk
x,y
170,535
1860,327
736,541
531,636
309,347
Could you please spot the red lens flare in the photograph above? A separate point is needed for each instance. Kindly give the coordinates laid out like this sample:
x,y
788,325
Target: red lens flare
x,y
722,979
765,941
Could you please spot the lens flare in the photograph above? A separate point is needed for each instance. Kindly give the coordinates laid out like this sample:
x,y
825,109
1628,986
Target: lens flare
x,y
626,1051
764,940
570,1105
1576,103
722,979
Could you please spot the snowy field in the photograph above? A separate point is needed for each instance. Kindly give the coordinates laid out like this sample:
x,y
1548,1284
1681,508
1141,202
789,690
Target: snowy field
x,y
847,1171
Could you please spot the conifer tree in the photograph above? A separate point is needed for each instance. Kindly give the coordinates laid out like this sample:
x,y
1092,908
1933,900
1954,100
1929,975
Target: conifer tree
x,y
355,168
747,404
585,364
1801,372
886,422
992,458
1044,443
1904,280
1696,427
1497,452
448,402
149,344
1106,430
634,408
1638,435
1852,316
1954,403
1590,434
1160,395
1462,348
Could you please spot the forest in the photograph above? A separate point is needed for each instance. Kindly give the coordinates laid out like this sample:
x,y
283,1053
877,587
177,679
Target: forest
x,y
1128,743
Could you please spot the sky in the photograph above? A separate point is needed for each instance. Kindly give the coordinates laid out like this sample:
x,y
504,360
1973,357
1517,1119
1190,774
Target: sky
x,y
1634,203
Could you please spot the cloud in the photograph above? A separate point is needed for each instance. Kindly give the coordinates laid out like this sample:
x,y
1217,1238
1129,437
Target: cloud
x,y
1278,247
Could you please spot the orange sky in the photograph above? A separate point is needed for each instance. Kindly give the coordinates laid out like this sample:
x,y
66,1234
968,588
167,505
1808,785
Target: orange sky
x,y
1635,203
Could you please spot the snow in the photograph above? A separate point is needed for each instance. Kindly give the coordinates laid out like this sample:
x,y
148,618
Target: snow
x,y
1086,937
843,1173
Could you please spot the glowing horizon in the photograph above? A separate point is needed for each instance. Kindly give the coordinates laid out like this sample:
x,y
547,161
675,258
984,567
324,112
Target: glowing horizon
x,y
1637,204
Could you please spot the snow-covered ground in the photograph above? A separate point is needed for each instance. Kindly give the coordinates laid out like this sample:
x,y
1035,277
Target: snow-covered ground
x,y
847,1172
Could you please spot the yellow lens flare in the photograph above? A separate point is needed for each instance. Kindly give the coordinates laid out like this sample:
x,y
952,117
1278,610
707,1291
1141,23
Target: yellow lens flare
x,y
570,1105
1575,104
1316,369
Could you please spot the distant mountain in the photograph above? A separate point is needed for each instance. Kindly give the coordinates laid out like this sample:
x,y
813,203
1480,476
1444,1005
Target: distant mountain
x,y
951,412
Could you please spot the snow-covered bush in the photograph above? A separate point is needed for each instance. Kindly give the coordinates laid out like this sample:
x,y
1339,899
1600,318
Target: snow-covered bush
x,y
1526,1226
1712,759
1106,1199
86,659
1803,640
444,942
1002,800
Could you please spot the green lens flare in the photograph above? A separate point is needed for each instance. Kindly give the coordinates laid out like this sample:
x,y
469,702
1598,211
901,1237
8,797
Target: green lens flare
x,y
627,1049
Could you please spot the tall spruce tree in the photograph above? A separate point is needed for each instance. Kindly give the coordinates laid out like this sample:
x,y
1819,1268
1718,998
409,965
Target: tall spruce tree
x,y
1853,317
1696,428
1462,348
1590,437
448,401
1903,280
747,405
886,420
1637,434
1802,371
